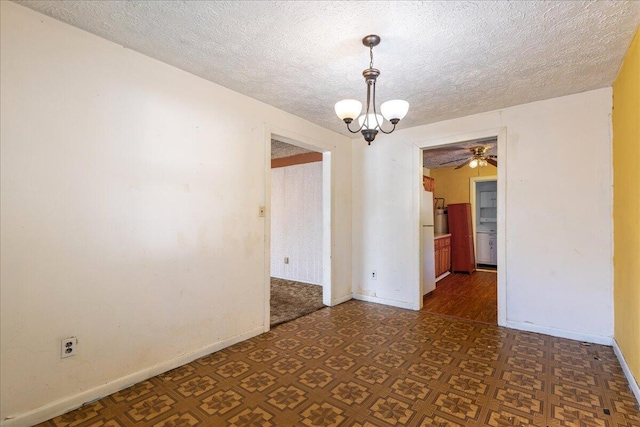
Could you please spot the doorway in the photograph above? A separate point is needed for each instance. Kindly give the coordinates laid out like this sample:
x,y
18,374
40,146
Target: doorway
x,y
297,230
483,193
457,162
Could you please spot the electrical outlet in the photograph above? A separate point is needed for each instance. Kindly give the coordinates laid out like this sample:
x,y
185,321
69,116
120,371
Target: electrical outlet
x,y
374,275
261,211
68,347
286,260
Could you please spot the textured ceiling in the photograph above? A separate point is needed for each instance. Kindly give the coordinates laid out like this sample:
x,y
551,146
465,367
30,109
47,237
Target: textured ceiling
x,y
448,59
454,155
282,149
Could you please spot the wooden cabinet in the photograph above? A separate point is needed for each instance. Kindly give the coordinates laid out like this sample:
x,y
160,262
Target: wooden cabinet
x,y
462,253
442,254
429,183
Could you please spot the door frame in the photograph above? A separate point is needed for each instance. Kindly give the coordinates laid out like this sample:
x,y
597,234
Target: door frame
x,y
327,207
473,181
501,134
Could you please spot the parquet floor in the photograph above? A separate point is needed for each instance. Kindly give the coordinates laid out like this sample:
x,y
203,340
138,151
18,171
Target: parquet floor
x,y
363,364
469,296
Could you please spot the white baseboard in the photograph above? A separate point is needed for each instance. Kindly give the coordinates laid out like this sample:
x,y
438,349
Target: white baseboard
x,y
295,279
67,404
633,384
384,301
442,276
562,333
340,300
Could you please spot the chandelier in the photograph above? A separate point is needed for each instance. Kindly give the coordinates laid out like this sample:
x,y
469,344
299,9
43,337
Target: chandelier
x,y
371,123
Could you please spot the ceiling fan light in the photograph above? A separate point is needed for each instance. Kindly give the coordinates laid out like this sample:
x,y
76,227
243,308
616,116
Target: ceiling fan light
x,y
482,162
395,109
473,163
370,123
348,109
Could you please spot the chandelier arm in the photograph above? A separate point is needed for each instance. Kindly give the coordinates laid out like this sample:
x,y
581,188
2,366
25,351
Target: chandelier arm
x,y
375,113
385,132
366,114
354,131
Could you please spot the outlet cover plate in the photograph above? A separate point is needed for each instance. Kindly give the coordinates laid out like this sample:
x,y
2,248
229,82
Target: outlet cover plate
x,y
68,347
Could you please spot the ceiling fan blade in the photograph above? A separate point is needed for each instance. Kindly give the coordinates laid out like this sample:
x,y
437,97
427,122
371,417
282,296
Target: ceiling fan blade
x,y
452,161
492,162
447,148
465,163
492,156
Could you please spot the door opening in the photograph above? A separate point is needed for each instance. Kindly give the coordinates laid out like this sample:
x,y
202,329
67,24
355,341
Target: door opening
x,y
483,193
299,276
466,284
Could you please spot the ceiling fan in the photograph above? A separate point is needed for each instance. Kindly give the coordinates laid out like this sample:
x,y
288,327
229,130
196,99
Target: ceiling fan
x,y
478,157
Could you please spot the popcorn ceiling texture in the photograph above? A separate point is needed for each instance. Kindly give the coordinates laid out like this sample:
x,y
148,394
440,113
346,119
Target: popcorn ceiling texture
x,y
448,59
435,157
281,149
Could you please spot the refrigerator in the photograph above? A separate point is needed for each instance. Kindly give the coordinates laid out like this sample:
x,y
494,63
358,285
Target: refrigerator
x,y
427,248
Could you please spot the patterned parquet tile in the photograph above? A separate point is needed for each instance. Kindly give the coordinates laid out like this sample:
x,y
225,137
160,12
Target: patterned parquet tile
x,y
362,364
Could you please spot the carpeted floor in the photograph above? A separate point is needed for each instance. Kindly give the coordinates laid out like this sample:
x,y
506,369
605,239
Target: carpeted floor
x,y
290,300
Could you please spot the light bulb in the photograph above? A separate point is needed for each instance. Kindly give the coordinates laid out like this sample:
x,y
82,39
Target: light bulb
x,y
482,162
473,163
371,121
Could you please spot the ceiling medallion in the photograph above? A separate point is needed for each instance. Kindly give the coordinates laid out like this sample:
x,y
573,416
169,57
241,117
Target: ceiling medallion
x,y
370,124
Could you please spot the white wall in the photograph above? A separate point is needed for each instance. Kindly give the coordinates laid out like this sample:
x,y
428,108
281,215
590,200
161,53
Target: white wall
x,y
130,195
296,222
557,175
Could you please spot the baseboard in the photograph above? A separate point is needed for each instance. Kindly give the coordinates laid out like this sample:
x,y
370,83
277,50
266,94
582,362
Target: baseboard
x,y
67,404
442,276
562,333
293,279
633,384
340,300
384,301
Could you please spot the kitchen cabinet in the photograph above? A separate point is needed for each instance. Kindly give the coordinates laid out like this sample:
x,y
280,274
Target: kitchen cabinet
x,y
463,258
488,199
488,205
487,250
429,184
482,245
493,249
442,254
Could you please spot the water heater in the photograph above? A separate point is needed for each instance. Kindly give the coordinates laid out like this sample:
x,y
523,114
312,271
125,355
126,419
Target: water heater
x,y
440,224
